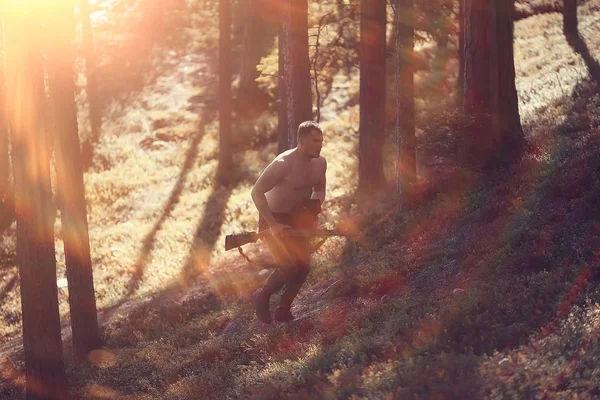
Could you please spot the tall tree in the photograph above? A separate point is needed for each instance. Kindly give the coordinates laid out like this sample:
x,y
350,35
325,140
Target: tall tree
x,y
508,120
490,95
296,66
4,159
69,174
93,94
477,85
225,151
371,97
405,96
570,17
4,147
6,193
282,122
44,366
461,54
260,28
4,151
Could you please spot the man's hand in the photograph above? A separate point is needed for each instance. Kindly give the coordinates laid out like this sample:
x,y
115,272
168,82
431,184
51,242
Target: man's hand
x,y
277,228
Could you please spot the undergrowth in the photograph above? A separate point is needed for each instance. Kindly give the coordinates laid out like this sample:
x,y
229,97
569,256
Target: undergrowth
x,y
483,288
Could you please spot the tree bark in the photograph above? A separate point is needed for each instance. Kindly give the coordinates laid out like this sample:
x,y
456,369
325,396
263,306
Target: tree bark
x,y
477,85
570,17
7,205
4,144
405,120
282,126
371,98
44,366
461,53
93,94
509,120
70,186
490,98
4,157
260,29
4,138
296,67
4,150
225,151
477,100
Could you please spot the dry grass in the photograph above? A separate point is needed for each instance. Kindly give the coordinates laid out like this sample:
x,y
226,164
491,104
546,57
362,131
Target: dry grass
x,y
484,290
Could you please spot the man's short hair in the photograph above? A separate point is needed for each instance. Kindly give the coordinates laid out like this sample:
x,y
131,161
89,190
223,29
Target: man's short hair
x,y
306,127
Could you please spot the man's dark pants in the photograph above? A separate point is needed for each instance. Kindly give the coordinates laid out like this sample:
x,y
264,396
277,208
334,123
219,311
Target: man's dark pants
x,y
293,256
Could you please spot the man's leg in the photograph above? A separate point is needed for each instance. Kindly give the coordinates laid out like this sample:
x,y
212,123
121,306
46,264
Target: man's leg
x,y
263,295
292,288
294,280
276,280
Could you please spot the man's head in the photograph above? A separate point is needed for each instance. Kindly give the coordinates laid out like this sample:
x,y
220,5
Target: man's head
x,y
310,138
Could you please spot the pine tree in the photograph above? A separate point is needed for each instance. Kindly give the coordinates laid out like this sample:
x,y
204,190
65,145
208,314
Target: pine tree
x,y
225,150
496,137
295,67
42,346
405,97
371,98
71,191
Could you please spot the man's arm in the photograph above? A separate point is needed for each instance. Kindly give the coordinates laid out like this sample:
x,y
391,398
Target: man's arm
x,y
270,177
320,188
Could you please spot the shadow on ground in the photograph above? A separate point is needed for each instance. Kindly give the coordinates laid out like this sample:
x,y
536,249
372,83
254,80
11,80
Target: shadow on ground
x,y
149,240
149,38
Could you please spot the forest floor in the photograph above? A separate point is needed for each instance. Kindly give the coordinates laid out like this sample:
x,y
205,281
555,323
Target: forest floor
x,y
488,289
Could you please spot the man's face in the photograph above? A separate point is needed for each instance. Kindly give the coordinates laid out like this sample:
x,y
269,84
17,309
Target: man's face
x,y
312,143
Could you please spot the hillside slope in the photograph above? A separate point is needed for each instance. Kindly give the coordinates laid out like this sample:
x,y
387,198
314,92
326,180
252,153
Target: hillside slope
x,y
487,289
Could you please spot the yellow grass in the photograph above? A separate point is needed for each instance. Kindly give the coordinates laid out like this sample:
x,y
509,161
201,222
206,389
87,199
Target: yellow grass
x,y
158,221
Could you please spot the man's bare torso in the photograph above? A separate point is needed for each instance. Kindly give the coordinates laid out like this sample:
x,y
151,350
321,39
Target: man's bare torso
x,y
297,184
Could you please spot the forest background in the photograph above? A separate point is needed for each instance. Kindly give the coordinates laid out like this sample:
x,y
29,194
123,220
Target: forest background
x,y
484,288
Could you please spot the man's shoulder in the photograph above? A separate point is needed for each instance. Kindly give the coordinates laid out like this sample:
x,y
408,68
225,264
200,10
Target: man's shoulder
x,y
284,158
283,161
322,161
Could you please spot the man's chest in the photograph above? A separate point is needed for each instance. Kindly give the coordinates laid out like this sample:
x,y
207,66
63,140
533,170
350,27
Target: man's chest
x,y
302,178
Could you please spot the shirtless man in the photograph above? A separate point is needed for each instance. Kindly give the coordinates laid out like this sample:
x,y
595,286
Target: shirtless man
x,y
289,193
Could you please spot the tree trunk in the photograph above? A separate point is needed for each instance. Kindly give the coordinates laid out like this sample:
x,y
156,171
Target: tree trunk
x,y
71,191
296,67
490,96
4,150
259,32
405,120
4,154
4,147
251,50
225,151
93,94
477,83
570,17
44,366
371,98
509,120
6,203
282,126
461,53
6,192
